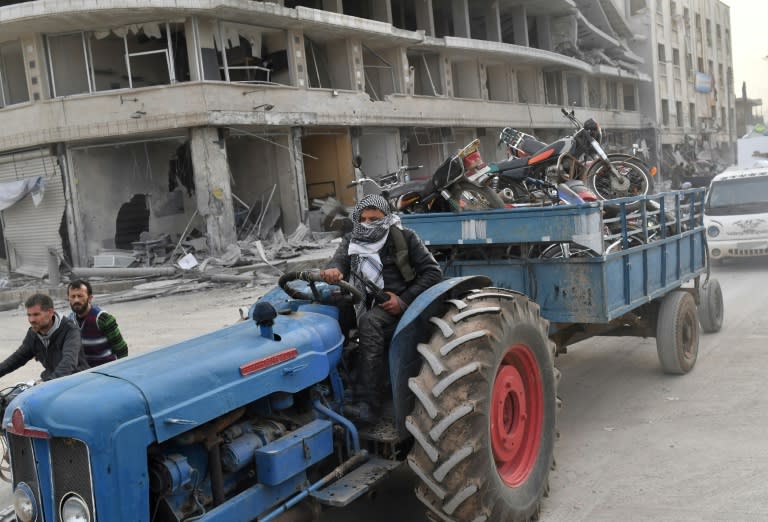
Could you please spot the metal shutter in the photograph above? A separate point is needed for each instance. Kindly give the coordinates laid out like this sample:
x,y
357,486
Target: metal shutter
x,y
30,230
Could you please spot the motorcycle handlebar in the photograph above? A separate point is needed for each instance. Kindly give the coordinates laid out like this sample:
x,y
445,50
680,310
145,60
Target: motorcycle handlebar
x,y
412,167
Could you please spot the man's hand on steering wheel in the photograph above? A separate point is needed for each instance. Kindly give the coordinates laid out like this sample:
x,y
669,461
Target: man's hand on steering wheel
x,y
313,276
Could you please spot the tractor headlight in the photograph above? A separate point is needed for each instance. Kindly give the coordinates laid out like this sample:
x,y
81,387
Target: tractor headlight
x,y
74,509
24,503
713,231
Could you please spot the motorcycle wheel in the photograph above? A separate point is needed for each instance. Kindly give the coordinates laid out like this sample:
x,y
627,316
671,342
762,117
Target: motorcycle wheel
x,y
599,179
469,196
567,251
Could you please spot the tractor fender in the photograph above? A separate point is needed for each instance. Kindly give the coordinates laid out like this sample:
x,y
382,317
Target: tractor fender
x,y
414,328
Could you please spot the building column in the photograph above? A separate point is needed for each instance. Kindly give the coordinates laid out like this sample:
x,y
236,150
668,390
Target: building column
x,y
297,167
33,52
297,59
425,18
460,14
492,16
356,68
544,32
446,73
401,68
212,187
520,27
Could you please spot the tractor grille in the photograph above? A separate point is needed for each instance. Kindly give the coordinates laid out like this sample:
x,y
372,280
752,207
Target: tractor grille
x,y
71,470
23,463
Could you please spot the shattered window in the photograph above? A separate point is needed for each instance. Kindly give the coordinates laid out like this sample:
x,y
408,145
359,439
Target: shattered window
x,y
553,88
404,15
692,115
613,95
379,74
465,76
13,80
252,54
629,97
595,98
69,68
425,74
575,90
139,55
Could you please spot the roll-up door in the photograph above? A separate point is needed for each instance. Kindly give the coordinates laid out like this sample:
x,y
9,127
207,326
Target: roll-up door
x,y
31,230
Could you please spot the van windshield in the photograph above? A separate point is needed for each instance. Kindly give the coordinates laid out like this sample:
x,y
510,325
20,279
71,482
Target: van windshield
x,y
738,196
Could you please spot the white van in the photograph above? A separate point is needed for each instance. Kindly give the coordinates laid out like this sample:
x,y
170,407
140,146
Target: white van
x,y
736,214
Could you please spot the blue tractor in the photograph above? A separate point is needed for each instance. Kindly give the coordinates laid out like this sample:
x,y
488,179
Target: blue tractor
x,y
246,423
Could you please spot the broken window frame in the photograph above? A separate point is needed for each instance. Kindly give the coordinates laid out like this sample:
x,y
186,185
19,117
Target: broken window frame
x,y
368,84
553,88
86,39
422,57
4,77
168,52
226,68
311,47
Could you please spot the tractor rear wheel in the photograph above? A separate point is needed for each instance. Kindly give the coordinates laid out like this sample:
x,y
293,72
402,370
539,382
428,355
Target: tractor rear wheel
x,y
484,420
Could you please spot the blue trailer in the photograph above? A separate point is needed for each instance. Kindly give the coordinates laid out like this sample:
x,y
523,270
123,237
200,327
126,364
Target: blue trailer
x,y
247,422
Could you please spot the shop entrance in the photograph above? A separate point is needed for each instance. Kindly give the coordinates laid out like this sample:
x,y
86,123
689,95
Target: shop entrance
x,y
329,174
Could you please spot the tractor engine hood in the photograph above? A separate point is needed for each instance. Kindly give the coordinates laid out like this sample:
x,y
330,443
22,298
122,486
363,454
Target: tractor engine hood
x,y
185,385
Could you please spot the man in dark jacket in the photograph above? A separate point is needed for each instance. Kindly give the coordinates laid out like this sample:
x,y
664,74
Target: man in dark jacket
x,y
396,261
51,339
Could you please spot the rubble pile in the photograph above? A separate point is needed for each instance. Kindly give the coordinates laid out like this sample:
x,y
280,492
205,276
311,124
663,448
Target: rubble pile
x,y
161,265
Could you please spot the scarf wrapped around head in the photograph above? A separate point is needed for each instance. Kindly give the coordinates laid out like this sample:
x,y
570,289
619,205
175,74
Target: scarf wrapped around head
x,y
372,232
367,240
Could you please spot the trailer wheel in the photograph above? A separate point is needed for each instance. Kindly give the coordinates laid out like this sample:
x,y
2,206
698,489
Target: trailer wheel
x,y
484,420
677,332
711,306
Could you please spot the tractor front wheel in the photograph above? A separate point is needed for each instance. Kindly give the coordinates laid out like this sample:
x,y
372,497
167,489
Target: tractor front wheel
x,y
484,420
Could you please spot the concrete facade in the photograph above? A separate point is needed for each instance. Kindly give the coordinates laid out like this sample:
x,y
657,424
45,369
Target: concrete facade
x,y
202,110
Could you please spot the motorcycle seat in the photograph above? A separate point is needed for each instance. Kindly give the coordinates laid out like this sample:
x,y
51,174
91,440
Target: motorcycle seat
x,y
419,186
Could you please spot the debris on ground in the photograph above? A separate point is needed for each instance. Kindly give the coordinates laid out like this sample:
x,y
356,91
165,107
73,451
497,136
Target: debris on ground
x,y
161,264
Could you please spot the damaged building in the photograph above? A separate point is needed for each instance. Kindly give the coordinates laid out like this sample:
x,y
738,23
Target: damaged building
x,y
137,120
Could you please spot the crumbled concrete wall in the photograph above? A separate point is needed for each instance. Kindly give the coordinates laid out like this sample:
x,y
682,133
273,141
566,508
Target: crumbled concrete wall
x,y
107,177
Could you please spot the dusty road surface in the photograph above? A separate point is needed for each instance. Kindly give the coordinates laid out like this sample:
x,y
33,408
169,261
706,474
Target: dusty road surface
x,y
635,444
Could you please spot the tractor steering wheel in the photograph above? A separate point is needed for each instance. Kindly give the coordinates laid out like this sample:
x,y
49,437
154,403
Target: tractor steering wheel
x,y
312,277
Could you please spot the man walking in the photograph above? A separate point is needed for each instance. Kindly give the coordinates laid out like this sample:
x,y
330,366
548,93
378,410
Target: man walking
x,y
102,340
51,339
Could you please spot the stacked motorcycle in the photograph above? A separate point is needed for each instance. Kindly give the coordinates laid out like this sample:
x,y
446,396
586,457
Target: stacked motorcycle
x,y
577,160
571,169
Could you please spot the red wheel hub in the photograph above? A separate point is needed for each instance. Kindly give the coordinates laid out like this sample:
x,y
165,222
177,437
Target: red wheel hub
x,y
517,414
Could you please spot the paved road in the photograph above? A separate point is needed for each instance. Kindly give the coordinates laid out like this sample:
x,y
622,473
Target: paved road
x,y
635,444
638,445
